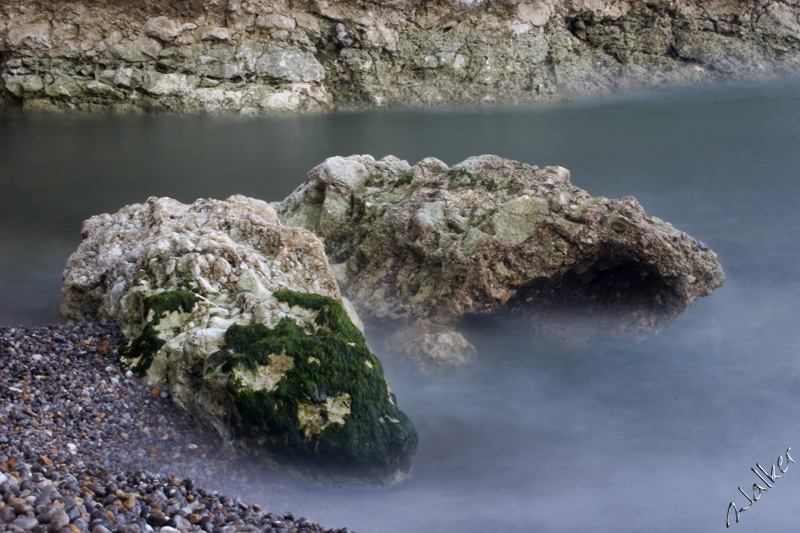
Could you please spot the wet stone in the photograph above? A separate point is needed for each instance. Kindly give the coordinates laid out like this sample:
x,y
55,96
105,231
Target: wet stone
x,y
25,522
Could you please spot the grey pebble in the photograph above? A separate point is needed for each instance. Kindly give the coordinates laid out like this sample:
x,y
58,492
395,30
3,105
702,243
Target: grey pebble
x,y
25,523
112,467
59,520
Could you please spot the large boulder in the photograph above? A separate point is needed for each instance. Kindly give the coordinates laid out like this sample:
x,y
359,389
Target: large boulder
x,y
431,245
241,320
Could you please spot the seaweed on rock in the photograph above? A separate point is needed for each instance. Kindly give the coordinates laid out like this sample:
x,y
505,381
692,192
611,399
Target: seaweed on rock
x,y
330,403
137,355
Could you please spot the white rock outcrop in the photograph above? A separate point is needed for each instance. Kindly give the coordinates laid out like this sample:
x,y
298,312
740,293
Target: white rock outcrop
x,y
241,320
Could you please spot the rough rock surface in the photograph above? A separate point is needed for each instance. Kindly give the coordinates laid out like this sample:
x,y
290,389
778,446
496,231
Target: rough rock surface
x,y
252,56
430,244
432,348
241,321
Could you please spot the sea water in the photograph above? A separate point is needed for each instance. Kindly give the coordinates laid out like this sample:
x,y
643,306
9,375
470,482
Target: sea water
x,y
539,434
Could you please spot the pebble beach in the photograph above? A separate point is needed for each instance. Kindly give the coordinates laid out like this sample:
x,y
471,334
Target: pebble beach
x,y
86,448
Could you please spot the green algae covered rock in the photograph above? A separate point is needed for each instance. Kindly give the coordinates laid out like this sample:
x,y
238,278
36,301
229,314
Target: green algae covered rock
x,y
323,392
241,320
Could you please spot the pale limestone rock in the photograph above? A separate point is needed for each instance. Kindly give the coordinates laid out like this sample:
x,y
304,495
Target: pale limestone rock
x,y
218,35
430,245
23,85
136,50
168,84
34,36
165,29
537,13
292,65
64,86
196,286
270,21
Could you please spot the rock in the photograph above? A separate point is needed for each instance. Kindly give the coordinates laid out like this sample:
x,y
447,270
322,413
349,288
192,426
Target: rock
x,y
433,350
59,520
34,36
165,29
218,34
430,244
289,64
241,321
362,53
25,523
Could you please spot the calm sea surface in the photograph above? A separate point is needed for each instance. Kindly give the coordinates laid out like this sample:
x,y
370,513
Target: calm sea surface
x,y
536,436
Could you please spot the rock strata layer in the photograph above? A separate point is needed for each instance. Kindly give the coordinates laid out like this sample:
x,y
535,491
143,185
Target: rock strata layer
x,y
241,320
432,244
251,56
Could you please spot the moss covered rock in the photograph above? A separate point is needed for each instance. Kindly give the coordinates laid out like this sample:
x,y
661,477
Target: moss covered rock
x,y
241,320
323,392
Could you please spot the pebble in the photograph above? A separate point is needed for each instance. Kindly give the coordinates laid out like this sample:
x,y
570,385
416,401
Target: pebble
x,y
86,448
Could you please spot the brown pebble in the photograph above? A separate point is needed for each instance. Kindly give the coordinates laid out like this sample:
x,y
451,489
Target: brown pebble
x,y
155,393
110,515
74,528
46,460
130,502
195,518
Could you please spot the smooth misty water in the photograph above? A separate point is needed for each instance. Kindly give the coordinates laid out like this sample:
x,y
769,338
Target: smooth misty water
x,y
537,436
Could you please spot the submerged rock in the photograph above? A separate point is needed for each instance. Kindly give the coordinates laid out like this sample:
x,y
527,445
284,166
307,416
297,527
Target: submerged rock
x,y
430,245
241,320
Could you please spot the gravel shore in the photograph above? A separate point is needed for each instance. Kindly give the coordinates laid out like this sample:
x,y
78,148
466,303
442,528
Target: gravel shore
x,y
85,448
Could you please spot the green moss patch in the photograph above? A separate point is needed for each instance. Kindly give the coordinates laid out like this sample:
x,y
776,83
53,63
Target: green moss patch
x,y
405,179
332,363
138,355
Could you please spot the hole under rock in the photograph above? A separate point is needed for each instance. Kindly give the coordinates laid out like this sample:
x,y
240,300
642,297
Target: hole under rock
x,y
622,300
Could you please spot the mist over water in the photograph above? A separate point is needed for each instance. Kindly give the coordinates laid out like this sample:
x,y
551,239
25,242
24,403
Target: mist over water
x,y
540,434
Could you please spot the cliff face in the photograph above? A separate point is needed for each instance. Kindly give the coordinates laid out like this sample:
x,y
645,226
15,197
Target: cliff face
x,y
259,56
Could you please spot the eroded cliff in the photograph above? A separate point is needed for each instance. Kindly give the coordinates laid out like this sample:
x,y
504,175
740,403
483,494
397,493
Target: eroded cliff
x,y
257,56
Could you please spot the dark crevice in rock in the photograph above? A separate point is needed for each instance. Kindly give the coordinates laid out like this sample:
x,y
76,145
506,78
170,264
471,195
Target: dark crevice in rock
x,y
626,298
6,98
617,289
